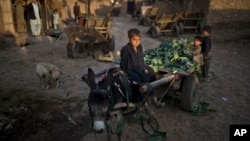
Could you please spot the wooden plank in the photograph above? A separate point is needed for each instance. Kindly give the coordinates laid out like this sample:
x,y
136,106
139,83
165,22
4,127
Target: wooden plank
x,y
167,30
190,27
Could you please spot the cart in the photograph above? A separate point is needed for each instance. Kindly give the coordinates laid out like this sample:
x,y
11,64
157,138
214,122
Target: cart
x,y
191,21
102,27
149,16
164,24
185,83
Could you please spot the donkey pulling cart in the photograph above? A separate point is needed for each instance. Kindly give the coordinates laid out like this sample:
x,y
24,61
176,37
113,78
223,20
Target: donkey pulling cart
x,y
104,97
91,32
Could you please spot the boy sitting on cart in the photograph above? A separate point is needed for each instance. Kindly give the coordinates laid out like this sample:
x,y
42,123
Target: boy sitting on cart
x,y
132,63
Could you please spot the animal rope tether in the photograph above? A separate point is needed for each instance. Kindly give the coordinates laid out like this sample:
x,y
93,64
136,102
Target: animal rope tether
x,y
155,135
149,124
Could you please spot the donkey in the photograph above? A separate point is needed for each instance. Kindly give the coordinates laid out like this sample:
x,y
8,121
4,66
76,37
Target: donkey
x,y
106,98
84,35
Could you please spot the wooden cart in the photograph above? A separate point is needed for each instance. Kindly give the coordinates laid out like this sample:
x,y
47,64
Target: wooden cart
x,y
185,83
164,24
149,16
191,21
102,27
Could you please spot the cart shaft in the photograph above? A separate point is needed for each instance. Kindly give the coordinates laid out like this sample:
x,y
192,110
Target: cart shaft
x,y
148,87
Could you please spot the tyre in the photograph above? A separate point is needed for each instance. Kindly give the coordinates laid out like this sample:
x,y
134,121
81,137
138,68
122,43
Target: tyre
x,y
177,30
155,31
146,21
181,26
111,45
189,96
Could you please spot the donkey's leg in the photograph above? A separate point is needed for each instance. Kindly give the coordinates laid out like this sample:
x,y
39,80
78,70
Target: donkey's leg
x,y
92,45
69,50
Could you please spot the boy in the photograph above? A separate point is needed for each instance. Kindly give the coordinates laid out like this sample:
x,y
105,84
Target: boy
x,y
196,49
56,19
205,49
132,63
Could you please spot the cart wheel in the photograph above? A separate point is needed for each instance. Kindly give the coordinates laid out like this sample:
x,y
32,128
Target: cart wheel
x,y
155,31
146,21
177,30
181,26
189,96
111,45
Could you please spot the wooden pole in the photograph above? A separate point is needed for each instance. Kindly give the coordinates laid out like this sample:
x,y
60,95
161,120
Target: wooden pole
x,y
46,14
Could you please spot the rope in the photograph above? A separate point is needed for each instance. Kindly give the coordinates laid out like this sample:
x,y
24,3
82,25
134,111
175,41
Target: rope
x,y
127,87
172,82
156,135
118,129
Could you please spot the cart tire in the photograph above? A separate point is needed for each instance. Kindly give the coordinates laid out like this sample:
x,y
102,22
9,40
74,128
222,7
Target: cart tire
x,y
146,21
189,96
181,26
155,31
177,30
111,45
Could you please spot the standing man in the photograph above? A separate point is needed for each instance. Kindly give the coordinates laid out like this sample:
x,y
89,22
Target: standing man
x,y
33,15
76,11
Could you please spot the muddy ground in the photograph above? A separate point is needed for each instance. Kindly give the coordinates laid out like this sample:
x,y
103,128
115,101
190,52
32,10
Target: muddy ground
x,y
28,113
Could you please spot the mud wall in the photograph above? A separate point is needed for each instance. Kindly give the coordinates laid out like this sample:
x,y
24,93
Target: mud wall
x,y
217,11
228,11
97,7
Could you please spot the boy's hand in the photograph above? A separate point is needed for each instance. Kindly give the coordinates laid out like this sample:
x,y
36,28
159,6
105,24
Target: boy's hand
x,y
146,71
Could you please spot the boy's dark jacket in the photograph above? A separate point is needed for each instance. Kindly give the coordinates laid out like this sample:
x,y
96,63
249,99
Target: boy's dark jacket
x,y
133,62
206,45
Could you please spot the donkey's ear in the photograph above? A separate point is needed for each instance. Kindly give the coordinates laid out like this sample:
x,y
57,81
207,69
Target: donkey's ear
x,y
91,78
108,80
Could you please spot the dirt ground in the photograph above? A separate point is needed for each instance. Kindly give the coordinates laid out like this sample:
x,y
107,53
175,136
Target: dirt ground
x,y
28,113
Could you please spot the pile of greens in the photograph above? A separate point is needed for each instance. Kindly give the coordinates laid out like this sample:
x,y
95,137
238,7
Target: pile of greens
x,y
171,54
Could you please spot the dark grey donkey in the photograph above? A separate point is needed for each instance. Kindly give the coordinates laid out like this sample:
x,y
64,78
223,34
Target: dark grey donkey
x,y
106,98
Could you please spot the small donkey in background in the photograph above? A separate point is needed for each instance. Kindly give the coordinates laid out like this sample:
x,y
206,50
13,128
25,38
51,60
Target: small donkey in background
x,y
81,35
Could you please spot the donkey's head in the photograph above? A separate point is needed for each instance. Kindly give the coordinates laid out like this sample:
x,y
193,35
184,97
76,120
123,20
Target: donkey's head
x,y
98,101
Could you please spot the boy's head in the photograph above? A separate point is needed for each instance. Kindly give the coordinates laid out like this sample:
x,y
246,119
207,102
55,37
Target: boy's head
x,y
134,37
197,41
206,31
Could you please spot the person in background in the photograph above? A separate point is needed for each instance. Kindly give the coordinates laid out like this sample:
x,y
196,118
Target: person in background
x,y
205,49
76,10
33,15
56,20
132,63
